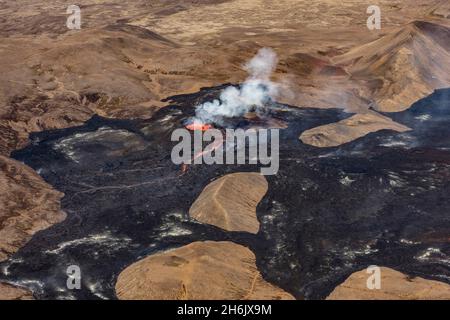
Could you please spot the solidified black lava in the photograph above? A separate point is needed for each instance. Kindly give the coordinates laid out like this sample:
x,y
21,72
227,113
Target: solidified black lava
x,y
380,200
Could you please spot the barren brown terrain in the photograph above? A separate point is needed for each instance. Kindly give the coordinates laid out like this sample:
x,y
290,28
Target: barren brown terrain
x,y
394,286
129,56
198,271
213,206
9,292
344,131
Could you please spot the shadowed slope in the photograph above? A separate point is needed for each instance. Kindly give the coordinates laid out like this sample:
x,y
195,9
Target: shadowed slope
x,y
403,67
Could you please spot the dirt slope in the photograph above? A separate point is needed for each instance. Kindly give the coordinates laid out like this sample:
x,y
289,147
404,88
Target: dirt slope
x,y
198,271
357,126
404,66
393,286
27,205
230,202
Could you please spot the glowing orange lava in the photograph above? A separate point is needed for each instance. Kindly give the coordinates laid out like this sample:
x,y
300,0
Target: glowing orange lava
x,y
198,126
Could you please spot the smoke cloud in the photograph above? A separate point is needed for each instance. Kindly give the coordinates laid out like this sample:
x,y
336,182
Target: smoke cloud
x,y
256,91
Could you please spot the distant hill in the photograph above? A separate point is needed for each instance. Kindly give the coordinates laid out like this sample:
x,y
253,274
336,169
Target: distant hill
x,y
404,66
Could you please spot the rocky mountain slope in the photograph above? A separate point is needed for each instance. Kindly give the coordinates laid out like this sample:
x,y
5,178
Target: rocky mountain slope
x,y
27,203
402,67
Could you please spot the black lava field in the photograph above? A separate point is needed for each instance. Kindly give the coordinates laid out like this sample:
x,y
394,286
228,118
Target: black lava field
x,y
380,200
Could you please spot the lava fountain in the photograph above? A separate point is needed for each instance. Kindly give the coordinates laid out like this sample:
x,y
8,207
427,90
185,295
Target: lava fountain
x,y
198,126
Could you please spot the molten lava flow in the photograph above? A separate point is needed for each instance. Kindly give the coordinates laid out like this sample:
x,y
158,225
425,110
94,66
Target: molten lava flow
x,y
218,143
198,126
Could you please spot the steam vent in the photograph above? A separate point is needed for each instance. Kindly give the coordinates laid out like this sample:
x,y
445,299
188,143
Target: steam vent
x,y
225,150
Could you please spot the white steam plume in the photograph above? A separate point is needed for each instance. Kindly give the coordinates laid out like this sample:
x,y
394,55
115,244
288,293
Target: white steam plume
x,y
254,93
